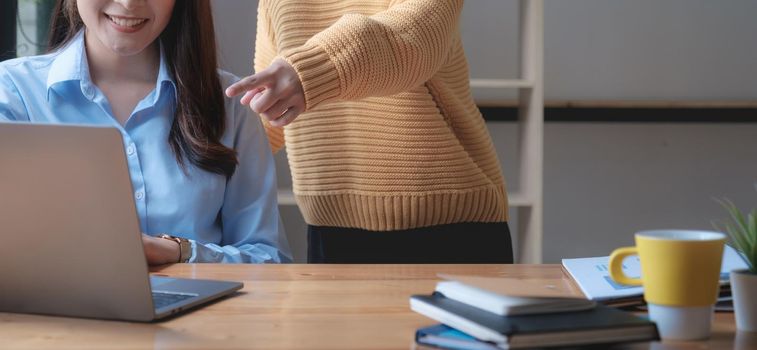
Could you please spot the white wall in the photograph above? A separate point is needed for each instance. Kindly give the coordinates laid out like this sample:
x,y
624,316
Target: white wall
x,y
624,49
603,181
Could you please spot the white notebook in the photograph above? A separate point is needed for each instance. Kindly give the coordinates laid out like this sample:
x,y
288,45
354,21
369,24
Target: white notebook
x,y
486,298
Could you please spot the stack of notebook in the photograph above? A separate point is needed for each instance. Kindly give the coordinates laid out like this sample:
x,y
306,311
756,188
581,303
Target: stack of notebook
x,y
500,313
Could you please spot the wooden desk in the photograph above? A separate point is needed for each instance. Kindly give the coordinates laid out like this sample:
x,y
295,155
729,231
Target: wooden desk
x,y
297,307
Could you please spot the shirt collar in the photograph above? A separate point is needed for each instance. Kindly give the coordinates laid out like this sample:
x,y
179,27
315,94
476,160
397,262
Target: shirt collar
x,y
70,63
164,78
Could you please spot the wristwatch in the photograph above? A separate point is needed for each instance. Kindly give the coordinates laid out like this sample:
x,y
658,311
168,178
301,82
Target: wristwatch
x,y
184,246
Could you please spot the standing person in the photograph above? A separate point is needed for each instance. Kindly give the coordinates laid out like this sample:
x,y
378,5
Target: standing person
x,y
200,164
391,160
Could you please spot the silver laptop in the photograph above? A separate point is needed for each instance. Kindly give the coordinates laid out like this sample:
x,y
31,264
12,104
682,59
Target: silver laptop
x,y
70,238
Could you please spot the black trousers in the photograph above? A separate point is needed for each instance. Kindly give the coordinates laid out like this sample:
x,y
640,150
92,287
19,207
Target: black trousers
x,y
463,243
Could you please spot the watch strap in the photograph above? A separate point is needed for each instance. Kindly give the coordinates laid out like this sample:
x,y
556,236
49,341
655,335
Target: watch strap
x,y
185,247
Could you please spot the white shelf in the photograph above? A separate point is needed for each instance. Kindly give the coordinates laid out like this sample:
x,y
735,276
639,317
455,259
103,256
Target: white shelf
x,y
515,199
286,197
528,198
501,84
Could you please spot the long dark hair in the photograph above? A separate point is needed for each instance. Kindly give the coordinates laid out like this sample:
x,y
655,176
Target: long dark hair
x,y
189,47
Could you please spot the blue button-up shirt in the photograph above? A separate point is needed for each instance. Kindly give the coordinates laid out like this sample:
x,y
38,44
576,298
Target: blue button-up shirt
x,y
234,220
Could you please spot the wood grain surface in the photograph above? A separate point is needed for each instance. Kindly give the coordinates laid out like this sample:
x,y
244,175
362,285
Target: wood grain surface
x,y
300,307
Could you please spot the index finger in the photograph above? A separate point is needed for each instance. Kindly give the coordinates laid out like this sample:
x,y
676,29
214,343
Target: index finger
x,y
250,83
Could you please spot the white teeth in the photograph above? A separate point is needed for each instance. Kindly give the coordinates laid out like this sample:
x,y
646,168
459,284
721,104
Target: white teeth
x,y
127,22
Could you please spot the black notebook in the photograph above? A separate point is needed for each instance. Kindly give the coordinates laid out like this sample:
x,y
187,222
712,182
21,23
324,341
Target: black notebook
x,y
600,325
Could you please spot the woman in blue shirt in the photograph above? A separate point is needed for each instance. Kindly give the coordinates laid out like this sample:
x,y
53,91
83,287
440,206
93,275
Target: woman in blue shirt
x,y
200,164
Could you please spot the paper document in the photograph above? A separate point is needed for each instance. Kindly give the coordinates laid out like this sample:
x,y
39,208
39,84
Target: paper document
x,y
593,276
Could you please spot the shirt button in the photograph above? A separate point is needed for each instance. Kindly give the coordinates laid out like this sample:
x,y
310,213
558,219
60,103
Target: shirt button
x,y
139,195
131,149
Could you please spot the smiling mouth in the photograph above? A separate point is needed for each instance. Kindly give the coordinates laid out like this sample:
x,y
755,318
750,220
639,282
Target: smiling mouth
x,y
126,21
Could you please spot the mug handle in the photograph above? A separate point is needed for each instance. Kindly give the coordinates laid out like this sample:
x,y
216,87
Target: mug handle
x,y
616,266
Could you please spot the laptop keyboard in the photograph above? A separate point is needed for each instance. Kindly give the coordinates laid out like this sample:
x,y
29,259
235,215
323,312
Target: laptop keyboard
x,y
163,299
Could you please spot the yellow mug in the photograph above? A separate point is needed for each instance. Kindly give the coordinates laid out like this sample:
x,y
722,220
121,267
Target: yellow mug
x,y
678,267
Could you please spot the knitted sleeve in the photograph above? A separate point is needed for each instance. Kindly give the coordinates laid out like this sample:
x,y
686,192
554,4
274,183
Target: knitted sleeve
x,y
265,52
382,54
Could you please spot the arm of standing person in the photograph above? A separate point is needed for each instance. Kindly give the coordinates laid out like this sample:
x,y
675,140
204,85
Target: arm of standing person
x,y
356,57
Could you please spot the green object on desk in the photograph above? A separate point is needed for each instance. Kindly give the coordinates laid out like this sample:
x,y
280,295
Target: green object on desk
x,y
742,230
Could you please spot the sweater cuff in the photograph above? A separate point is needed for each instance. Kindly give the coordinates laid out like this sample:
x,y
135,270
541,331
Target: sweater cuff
x,y
318,74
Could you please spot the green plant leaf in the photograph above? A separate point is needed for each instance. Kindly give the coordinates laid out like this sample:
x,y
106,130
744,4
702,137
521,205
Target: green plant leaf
x,y
737,217
738,241
752,227
742,232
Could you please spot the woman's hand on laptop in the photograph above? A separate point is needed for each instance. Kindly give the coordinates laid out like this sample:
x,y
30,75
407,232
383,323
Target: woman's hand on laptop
x,y
160,251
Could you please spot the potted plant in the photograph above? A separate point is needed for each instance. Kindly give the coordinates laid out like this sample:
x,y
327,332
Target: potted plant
x,y
742,231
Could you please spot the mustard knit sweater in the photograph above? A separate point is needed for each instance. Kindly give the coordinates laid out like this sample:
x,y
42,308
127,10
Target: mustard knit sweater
x,y
391,138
